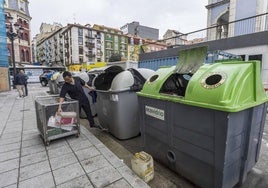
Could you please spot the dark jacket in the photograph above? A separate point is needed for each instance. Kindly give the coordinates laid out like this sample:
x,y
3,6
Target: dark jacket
x,y
20,79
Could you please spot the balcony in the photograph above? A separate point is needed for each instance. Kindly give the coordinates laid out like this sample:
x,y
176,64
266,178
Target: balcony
x,y
90,44
89,37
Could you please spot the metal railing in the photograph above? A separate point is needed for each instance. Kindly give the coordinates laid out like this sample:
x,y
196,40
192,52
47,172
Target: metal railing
x,y
235,28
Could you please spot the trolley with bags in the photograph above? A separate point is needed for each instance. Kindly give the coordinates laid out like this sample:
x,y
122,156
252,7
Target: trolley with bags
x,y
52,124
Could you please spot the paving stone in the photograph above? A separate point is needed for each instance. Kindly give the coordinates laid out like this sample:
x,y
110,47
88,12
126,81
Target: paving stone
x,y
68,173
59,151
94,163
10,135
80,145
9,155
33,170
33,158
111,157
9,147
57,144
9,178
62,161
119,184
9,141
131,177
32,142
44,181
104,176
81,182
32,149
12,186
30,136
87,153
9,165
91,137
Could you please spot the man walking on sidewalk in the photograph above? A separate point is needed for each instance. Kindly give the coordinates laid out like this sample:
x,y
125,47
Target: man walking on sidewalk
x,y
20,81
73,86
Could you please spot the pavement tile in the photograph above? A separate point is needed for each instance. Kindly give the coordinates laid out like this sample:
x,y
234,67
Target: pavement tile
x,y
12,186
104,176
32,142
30,136
80,145
87,153
33,170
9,165
62,161
131,177
44,181
32,149
67,173
91,137
81,182
57,144
9,178
33,158
9,147
9,140
10,135
111,157
59,151
94,163
119,184
9,155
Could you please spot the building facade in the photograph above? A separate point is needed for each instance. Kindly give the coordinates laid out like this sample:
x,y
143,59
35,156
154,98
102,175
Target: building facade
x,y
174,38
114,42
221,12
18,10
134,28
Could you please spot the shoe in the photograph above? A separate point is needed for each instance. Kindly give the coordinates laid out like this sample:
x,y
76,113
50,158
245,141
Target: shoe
x,y
19,97
95,126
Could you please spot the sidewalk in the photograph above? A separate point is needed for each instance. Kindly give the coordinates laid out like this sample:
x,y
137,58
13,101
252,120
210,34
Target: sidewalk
x,y
71,162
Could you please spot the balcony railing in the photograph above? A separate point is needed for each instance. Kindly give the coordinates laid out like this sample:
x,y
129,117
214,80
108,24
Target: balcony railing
x,y
235,28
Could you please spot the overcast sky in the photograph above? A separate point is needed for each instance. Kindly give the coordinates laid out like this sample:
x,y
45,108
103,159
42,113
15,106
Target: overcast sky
x,y
181,15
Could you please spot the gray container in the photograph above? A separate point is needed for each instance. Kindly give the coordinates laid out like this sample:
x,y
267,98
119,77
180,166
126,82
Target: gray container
x,y
46,106
211,148
205,123
117,104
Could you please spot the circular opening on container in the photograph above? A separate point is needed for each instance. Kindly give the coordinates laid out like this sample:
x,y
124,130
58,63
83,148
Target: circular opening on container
x,y
153,78
171,156
213,79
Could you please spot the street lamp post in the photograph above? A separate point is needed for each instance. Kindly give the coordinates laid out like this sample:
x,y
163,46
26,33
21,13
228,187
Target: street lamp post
x,y
12,35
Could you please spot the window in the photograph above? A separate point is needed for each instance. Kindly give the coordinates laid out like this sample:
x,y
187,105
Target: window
x,y
26,37
81,50
115,38
27,56
80,59
80,32
22,55
22,6
80,40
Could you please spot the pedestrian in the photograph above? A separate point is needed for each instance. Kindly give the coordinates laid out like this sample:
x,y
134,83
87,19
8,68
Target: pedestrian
x,y
26,82
73,87
20,81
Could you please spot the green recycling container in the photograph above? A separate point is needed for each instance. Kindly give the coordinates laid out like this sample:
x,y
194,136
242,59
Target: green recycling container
x,y
205,122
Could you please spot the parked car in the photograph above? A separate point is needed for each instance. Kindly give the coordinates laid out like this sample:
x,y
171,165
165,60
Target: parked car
x,y
45,77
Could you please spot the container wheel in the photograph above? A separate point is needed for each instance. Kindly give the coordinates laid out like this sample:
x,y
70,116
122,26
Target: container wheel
x,y
77,135
47,143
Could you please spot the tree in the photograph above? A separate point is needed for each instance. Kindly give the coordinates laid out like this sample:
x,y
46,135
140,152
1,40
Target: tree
x,y
115,57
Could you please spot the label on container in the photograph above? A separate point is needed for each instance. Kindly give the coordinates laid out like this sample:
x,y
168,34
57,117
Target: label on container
x,y
155,112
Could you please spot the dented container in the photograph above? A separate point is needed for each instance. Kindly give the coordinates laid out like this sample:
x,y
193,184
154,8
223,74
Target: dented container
x,y
143,165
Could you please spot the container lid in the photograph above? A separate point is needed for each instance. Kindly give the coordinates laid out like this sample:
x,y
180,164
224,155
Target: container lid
x,y
104,80
190,60
122,81
84,76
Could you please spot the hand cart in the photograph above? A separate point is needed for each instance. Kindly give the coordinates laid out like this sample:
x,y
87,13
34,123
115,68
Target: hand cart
x,y
46,108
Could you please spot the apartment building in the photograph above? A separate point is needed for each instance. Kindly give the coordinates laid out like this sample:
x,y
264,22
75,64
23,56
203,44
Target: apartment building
x,y
114,42
18,10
